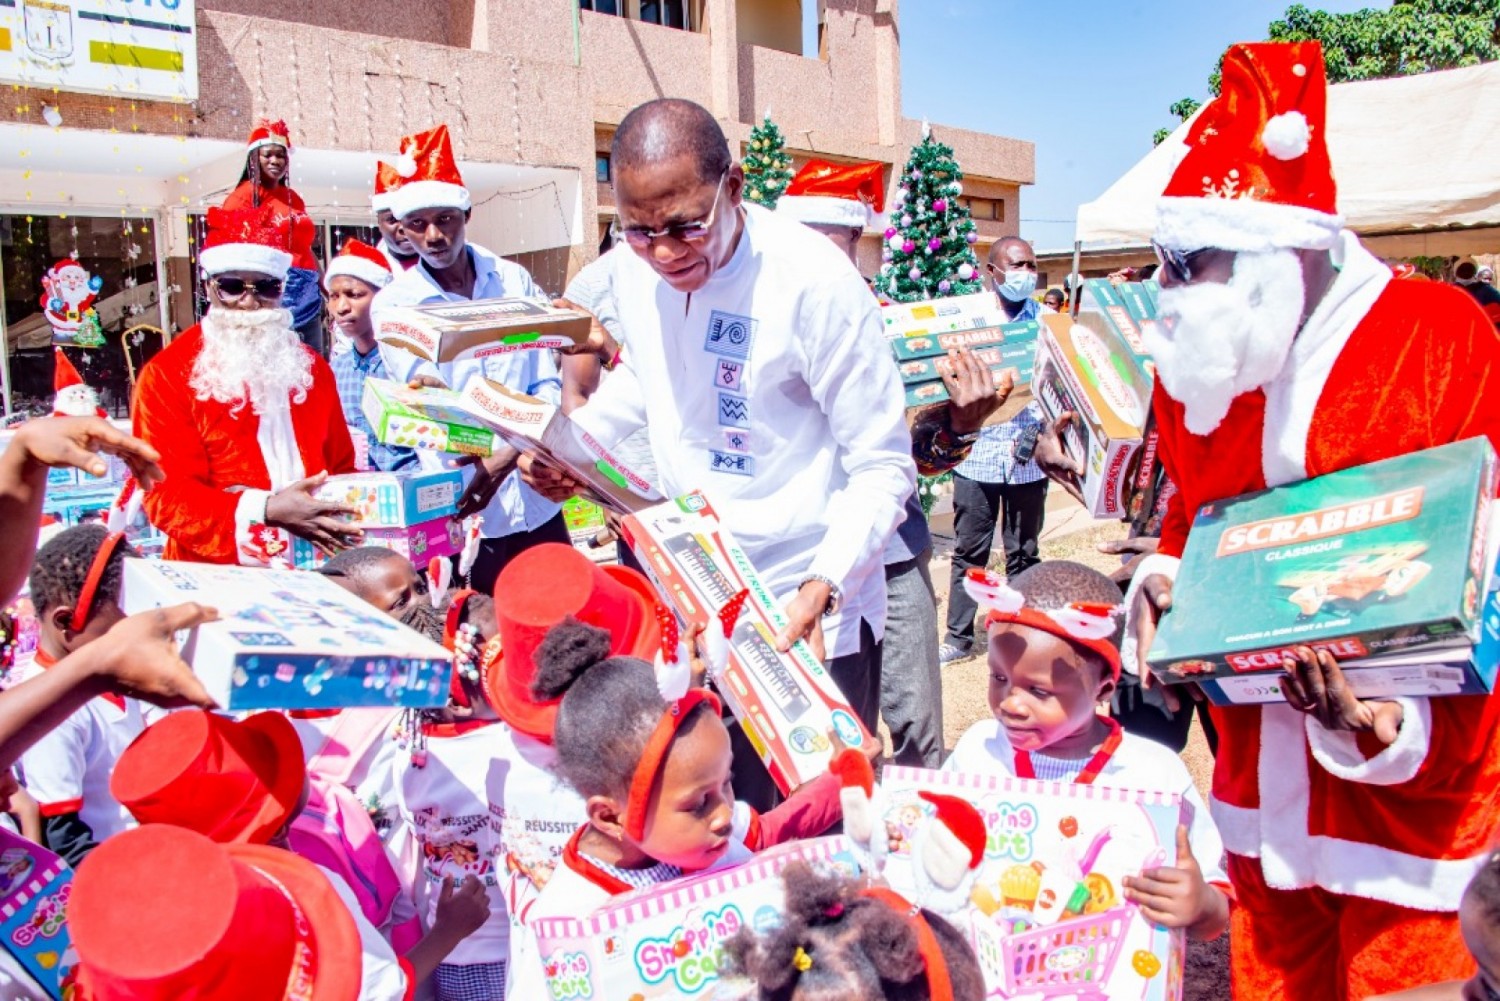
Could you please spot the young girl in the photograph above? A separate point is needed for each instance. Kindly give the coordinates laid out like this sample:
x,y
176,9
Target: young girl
x,y
1053,660
839,942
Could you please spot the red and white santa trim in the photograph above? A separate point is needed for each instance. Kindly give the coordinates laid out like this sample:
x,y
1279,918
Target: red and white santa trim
x,y
269,133
430,176
255,240
832,194
359,260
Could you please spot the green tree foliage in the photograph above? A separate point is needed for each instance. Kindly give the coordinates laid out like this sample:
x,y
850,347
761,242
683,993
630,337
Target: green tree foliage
x,y
768,166
929,240
1413,36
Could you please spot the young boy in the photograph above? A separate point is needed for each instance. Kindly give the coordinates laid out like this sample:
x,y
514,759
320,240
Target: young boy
x,y
75,587
1052,663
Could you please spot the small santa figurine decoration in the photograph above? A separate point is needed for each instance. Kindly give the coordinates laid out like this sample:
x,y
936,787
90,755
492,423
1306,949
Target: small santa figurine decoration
x,y
68,294
74,398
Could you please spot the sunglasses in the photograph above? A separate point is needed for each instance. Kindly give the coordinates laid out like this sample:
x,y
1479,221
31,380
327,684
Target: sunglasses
x,y
1178,263
695,231
264,288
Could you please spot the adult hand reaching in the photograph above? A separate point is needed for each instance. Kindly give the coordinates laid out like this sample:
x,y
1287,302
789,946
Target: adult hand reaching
x,y
489,473
1053,459
296,509
805,618
599,341
1315,684
78,442
1153,598
138,656
973,391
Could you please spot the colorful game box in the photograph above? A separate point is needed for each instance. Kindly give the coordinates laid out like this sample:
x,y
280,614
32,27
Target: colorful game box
x,y
288,639
418,543
939,316
424,418
1379,560
396,500
1126,311
1047,916
539,428
787,702
668,941
34,889
450,331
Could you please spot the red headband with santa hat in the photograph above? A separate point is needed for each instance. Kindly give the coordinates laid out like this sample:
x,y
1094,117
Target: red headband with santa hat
x,y
269,133
429,172
250,239
1256,176
835,194
359,260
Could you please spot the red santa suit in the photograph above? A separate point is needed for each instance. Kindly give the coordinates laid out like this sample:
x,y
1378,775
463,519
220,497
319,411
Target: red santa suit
x,y
1348,856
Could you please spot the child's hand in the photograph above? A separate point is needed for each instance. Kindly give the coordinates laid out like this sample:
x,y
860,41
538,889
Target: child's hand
x,y
1314,684
462,911
698,666
872,749
1178,897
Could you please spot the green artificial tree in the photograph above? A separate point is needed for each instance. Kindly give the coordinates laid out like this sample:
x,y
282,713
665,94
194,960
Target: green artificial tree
x,y
929,240
768,166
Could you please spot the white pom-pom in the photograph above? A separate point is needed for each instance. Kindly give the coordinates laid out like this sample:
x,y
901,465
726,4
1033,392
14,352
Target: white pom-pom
x,y
1287,136
715,652
673,679
896,241
405,165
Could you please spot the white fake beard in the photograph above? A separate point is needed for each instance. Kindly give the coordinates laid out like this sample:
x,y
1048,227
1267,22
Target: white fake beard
x,y
1214,341
947,902
251,356
76,401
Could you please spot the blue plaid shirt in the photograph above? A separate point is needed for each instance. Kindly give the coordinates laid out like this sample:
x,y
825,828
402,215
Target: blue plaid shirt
x,y
350,370
993,458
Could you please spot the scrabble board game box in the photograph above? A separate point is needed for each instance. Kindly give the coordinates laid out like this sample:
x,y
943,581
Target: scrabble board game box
x,y
787,702
424,418
1127,311
1381,560
34,888
940,316
1047,915
396,500
450,331
289,639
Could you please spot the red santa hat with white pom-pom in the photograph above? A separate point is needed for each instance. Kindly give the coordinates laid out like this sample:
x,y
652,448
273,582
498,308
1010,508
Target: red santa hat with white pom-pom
x,y
269,133
74,397
835,194
947,850
429,173
1256,176
362,261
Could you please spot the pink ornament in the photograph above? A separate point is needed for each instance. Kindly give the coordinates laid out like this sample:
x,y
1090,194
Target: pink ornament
x,y
915,274
908,247
934,245
890,233
971,237
940,206
944,285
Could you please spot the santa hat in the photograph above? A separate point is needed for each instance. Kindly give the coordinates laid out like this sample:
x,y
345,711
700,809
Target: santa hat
x,y
160,912
429,172
957,829
387,180
863,805
359,260
947,850
832,194
269,133
1256,176
250,239
231,782
83,401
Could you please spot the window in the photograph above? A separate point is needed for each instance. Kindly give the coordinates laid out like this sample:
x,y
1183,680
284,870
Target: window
x,y
601,168
990,209
600,6
667,13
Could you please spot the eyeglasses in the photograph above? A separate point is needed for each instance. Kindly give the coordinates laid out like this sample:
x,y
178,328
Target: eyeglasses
x,y
1178,263
694,231
265,288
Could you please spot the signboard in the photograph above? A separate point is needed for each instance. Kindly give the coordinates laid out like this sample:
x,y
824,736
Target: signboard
x,y
138,48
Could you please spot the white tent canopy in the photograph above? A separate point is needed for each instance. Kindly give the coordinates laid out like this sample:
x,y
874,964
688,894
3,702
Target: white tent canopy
x,y
1409,154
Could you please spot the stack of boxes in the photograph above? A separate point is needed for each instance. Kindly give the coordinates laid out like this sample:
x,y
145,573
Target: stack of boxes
x,y
411,513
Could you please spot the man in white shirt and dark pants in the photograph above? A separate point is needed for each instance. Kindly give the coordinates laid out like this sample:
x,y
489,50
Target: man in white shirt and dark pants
x,y
759,369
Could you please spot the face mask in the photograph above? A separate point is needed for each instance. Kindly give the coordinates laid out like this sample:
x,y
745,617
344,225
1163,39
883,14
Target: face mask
x,y
1018,285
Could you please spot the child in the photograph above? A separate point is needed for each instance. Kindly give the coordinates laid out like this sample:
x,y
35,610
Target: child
x,y
75,587
382,577
837,942
1053,660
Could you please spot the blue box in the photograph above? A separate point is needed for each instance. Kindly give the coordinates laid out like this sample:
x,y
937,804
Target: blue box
x,y
397,500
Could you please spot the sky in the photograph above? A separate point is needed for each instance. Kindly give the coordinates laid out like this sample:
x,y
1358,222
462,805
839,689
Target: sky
x,y
1088,82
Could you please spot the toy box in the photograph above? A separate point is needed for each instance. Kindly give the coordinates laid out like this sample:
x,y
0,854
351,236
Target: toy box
x,y
539,428
1012,338
667,941
787,702
922,359
450,331
1388,558
418,543
1126,311
937,316
396,500
1077,370
288,639
424,418
1047,915
34,889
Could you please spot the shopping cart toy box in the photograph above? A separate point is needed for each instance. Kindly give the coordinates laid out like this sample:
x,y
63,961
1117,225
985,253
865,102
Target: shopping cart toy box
x,y
426,417
1371,561
34,889
787,703
396,500
668,941
289,639
1047,914
452,331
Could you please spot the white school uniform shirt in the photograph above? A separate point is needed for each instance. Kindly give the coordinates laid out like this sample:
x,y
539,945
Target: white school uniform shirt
x,y
771,389
381,977
487,804
515,507
373,777
1138,763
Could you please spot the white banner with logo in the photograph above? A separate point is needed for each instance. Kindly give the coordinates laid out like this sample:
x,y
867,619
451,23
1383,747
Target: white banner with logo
x,y
133,48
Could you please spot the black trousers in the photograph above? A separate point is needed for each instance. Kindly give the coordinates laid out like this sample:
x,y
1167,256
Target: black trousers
x,y
495,554
977,507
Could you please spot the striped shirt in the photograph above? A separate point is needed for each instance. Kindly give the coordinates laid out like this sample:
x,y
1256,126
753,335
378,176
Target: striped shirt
x,y
350,370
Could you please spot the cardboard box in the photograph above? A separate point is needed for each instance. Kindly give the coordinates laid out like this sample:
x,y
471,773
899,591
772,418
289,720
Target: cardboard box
x,y
424,418
451,331
923,358
288,639
75,505
1382,559
1460,670
396,500
1125,309
787,703
34,889
1052,845
667,941
1092,376
418,543
937,316
1007,336
539,428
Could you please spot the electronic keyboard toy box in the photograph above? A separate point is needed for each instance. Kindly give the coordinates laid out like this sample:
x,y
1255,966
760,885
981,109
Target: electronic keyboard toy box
x,y
1047,913
451,331
667,941
787,703
424,418
1384,559
289,639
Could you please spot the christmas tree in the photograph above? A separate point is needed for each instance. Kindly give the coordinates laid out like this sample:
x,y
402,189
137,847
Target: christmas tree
x,y
768,167
929,241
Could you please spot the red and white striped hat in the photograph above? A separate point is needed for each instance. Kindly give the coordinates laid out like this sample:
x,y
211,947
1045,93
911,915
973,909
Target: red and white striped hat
x,y
359,260
269,133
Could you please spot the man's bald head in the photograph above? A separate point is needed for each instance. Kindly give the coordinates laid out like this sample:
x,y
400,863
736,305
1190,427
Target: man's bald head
x,y
668,128
998,253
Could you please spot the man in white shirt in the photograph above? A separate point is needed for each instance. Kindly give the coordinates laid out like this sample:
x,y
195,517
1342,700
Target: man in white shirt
x,y
758,367
433,206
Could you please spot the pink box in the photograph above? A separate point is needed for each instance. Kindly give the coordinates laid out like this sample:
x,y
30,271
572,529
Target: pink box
x,y
418,543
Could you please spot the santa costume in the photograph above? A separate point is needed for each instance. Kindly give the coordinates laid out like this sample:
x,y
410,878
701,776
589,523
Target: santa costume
x,y
223,459
74,397
1348,856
